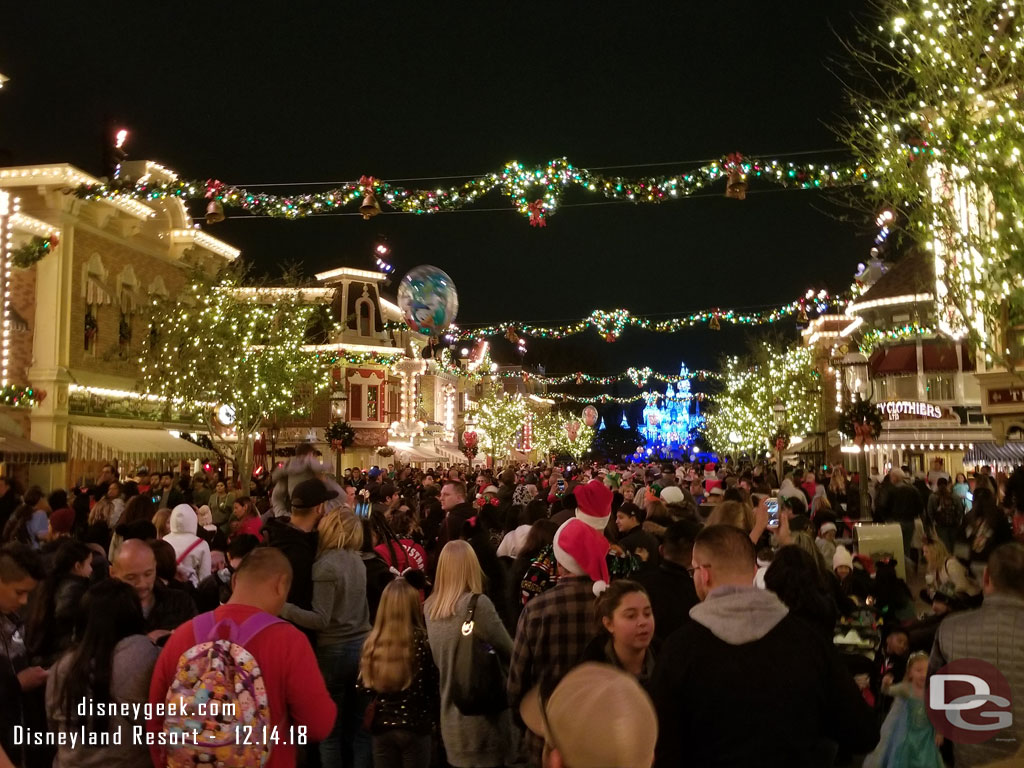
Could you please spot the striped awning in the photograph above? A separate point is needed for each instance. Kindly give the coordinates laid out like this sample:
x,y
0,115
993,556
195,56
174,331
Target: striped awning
x,y
131,444
19,450
1009,453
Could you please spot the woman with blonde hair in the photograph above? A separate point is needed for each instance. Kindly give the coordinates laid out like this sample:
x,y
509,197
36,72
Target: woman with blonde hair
x,y
341,618
734,513
946,574
471,741
162,522
398,670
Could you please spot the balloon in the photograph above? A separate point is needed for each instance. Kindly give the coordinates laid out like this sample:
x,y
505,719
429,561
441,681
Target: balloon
x,y
428,300
590,415
573,428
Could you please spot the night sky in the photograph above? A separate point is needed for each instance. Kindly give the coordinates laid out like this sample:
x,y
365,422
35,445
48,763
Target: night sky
x,y
302,92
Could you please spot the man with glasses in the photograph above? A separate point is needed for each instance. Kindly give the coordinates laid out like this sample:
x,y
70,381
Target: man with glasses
x,y
743,654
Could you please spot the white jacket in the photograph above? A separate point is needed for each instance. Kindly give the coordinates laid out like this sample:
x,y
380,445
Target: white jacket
x,y
183,524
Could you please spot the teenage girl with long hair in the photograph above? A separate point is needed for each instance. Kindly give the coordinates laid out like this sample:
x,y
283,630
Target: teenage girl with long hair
x,y
397,668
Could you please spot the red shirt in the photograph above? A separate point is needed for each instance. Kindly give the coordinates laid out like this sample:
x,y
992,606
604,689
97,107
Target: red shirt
x,y
295,688
251,525
408,552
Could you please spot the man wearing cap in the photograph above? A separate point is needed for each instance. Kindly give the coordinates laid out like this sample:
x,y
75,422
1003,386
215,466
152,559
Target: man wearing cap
x,y
296,537
555,626
595,717
744,652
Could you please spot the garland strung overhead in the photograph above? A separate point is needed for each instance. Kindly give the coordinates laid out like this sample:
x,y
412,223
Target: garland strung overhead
x,y
639,376
35,249
604,399
535,191
611,324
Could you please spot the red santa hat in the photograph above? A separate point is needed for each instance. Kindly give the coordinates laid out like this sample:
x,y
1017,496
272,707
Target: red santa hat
x,y
583,552
594,504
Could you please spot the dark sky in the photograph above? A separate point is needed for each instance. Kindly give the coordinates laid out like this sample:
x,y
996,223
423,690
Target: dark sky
x,y
300,92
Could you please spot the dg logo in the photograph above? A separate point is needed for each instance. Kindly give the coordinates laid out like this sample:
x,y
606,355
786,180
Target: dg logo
x,y
969,701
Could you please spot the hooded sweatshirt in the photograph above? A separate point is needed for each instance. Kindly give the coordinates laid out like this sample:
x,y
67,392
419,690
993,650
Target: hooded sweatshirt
x,y
748,683
196,563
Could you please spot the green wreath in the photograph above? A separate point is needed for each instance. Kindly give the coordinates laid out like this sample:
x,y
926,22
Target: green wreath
x,y
860,413
780,440
340,435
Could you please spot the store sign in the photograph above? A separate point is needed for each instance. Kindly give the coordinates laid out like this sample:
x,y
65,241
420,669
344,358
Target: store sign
x,y
894,410
1005,396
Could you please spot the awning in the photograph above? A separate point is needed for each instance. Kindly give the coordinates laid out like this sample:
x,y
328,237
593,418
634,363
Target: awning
x,y
18,450
901,359
983,452
131,444
940,357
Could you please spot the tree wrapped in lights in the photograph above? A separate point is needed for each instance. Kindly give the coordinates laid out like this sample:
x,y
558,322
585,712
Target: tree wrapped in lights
x,y
940,132
752,386
566,444
499,417
212,346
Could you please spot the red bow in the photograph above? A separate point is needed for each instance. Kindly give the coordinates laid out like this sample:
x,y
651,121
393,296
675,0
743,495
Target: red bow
x,y
213,187
863,434
536,209
733,159
367,181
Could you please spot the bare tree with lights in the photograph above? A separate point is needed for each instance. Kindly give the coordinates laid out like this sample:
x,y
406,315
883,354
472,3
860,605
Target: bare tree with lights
x,y
232,357
936,88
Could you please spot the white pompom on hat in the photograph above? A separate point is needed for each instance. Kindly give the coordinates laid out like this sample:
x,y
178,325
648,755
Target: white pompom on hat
x,y
583,552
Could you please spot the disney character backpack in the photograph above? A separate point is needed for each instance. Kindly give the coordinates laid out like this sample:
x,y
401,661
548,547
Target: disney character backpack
x,y
219,695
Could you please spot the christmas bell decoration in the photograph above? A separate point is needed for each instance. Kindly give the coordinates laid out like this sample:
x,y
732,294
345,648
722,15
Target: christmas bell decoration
x,y
713,324
801,317
736,186
369,207
510,334
214,212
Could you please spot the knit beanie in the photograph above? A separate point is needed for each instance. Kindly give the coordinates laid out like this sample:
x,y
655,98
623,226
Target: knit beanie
x,y
593,504
583,552
842,557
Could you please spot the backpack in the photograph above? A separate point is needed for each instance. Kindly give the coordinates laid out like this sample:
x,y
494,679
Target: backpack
x,y
214,674
948,511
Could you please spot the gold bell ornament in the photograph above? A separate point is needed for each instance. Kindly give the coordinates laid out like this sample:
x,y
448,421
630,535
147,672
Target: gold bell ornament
x,y
713,324
736,186
802,317
214,212
369,207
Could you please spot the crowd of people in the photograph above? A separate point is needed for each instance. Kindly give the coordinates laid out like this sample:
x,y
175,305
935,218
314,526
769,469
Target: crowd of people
x,y
593,615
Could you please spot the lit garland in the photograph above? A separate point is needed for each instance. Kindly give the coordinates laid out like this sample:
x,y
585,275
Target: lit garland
x,y
874,337
32,251
943,142
611,324
535,191
604,399
744,419
15,396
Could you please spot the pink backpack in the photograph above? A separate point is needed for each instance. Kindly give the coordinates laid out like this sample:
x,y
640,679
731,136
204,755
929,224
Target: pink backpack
x,y
219,694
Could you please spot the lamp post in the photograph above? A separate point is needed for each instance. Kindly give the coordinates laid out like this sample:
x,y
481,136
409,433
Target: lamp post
x,y
859,385
339,407
779,414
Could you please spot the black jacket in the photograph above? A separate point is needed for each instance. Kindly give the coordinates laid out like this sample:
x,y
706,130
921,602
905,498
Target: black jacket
x,y
8,503
453,522
902,502
638,537
300,549
744,653
173,608
672,594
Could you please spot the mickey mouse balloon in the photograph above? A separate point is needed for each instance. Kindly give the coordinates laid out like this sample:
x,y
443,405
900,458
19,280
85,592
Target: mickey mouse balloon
x,y
428,300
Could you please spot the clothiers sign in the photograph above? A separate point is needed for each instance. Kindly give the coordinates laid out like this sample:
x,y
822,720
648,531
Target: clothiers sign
x,y
894,410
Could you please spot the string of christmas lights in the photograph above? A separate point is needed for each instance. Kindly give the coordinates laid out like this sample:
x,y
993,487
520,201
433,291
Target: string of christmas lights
x,y
536,191
871,339
610,324
606,399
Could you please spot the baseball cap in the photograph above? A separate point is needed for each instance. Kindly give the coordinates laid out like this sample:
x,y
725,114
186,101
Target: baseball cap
x,y
311,493
595,694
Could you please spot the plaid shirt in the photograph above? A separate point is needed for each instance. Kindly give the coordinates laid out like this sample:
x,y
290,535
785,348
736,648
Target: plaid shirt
x,y
553,632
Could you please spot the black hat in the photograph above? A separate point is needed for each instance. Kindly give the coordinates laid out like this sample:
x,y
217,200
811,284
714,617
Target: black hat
x,y
311,493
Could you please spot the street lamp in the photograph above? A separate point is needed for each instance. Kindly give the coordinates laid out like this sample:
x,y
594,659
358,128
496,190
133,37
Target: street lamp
x,y
779,414
856,375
